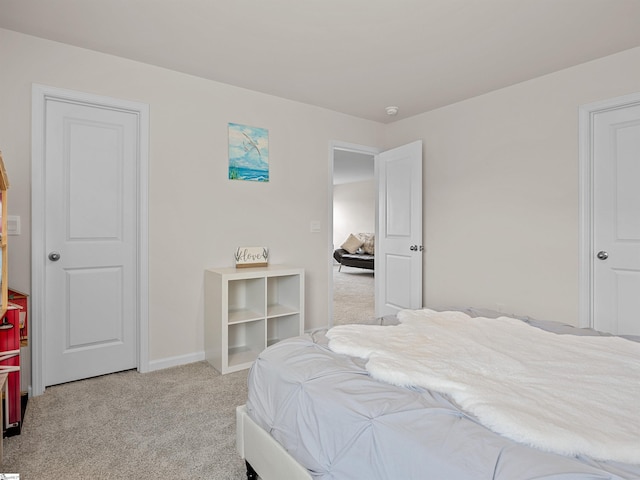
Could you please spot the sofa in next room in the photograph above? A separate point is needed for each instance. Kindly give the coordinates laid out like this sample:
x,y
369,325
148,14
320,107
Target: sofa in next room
x,y
357,251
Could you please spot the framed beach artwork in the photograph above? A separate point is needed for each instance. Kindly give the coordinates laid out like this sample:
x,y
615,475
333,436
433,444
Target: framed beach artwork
x,y
248,153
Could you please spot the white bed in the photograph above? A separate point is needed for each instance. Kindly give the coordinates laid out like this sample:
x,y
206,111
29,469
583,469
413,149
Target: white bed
x,y
262,453
314,413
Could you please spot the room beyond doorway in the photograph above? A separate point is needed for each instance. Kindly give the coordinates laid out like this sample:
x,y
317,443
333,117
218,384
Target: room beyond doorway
x,y
353,210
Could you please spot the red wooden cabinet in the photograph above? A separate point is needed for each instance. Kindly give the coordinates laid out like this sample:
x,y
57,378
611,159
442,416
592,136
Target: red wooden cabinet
x,y
9,325
10,363
21,299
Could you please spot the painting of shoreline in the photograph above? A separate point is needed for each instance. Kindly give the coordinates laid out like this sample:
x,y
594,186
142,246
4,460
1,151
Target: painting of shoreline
x,y
248,153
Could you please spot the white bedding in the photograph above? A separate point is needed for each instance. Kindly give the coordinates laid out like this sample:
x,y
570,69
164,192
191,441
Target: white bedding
x,y
567,394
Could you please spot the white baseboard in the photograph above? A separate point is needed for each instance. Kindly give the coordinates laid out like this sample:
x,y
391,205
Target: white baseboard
x,y
175,361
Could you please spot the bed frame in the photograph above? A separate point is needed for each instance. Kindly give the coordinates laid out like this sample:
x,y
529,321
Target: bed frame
x,y
264,456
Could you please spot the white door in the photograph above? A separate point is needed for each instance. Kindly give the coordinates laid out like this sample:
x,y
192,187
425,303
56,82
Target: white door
x,y
90,274
616,220
398,266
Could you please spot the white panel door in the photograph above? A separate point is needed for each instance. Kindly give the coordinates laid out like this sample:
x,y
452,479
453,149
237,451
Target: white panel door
x,y
398,266
616,220
90,314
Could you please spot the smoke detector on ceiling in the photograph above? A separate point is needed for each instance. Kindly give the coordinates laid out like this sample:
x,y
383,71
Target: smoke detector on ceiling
x,y
392,111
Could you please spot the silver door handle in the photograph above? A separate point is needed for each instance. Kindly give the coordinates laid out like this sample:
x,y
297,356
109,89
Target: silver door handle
x,y
54,256
602,255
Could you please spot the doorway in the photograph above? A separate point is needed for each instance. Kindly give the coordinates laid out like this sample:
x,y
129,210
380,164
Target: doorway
x,y
352,211
354,214
89,244
398,227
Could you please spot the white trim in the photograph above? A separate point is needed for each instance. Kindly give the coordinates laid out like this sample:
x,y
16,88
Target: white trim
x,y
143,238
37,241
175,361
585,133
40,94
348,147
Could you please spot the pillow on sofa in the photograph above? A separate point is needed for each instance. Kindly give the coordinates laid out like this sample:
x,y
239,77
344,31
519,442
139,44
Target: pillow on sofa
x,y
367,242
352,244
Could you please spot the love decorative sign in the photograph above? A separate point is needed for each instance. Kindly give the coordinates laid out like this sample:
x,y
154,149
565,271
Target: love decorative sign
x,y
251,257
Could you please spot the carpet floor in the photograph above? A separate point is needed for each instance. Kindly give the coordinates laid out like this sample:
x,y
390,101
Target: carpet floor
x,y
177,423
353,296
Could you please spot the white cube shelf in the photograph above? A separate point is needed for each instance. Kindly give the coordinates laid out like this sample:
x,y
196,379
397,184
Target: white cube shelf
x,y
248,309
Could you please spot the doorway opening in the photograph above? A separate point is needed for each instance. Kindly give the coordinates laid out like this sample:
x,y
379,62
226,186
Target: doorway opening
x,y
398,227
353,211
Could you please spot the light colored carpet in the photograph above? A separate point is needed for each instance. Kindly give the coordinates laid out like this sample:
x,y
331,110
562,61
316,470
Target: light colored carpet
x,y
353,296
177,423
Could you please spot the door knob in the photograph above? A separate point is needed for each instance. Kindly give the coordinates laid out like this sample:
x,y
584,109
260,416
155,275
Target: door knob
x,y
602,255
54,256
413,248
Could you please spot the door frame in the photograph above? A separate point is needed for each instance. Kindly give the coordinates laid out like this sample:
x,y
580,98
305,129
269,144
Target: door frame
x,y
40,95
349,147
587,113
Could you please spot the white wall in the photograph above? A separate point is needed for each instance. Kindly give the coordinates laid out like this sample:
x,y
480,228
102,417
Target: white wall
x,y
500,175
501,199
197,216
354,210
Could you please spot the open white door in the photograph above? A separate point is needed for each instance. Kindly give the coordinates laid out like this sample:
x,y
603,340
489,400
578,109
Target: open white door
x,y
398,268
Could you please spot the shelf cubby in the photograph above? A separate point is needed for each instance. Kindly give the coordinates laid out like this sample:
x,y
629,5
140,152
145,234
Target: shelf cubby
x,y
249,309
279,328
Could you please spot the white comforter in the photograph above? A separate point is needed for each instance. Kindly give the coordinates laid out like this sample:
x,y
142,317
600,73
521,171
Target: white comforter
x,y
567,394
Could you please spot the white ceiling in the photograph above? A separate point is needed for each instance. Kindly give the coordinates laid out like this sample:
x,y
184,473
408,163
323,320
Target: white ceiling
x,y
351,56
